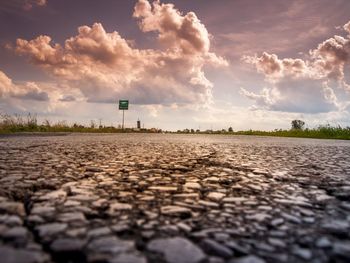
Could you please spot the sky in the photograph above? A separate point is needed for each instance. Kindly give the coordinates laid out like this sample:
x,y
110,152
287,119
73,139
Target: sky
x,y
199,64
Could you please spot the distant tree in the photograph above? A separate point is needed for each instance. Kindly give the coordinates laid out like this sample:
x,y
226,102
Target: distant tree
x,y
230,129
297,124
192,130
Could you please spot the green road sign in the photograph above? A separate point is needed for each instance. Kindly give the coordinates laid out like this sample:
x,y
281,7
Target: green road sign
x,y
123,104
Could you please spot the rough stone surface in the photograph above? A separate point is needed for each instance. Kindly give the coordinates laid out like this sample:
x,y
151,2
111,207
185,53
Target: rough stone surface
x,y
11,255
248,259
128,258
213,247
111,245
51,229
177,249
342,249
67,244
175,210
140,198
215,196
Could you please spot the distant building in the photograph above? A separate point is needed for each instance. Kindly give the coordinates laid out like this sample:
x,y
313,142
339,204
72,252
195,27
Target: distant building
x,y
138,124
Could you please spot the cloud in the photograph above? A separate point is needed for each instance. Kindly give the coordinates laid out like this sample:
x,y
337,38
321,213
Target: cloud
x,y
247,41
41,2
5,84
330,58
303,85
47,98
67,98
105,67
176,31
265,99
295,95
17,6
27,91
347,28
327,61
30,91
28,4
257,28
275,69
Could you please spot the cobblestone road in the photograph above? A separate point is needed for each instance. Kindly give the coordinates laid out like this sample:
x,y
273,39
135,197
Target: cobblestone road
x,y
135,198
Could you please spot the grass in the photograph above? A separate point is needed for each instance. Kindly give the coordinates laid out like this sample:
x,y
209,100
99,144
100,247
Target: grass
x,y
321,132
29,123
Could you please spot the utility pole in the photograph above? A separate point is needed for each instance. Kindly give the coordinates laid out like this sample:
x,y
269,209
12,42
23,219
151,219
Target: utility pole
x,y
123,121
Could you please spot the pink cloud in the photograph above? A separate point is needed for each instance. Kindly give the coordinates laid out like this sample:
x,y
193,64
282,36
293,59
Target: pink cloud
x,y
176,31
274,68
347,27
310,79
330,58
27,91
105,67
28,4
326,62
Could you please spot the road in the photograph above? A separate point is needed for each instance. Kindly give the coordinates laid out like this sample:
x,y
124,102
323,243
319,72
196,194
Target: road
x,y
137,198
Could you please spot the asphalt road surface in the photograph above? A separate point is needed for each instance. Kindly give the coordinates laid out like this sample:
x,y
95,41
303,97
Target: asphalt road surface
x,y
137,198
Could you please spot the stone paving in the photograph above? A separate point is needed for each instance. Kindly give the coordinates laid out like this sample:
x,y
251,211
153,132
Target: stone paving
x,y
137,198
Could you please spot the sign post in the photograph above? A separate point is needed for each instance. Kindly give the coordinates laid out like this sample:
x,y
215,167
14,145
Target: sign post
x,y
123,105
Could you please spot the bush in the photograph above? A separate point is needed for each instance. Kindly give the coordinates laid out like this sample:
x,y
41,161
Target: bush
x,y
298,125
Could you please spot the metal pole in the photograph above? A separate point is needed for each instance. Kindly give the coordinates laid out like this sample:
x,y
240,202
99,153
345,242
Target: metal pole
x,y
123,121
